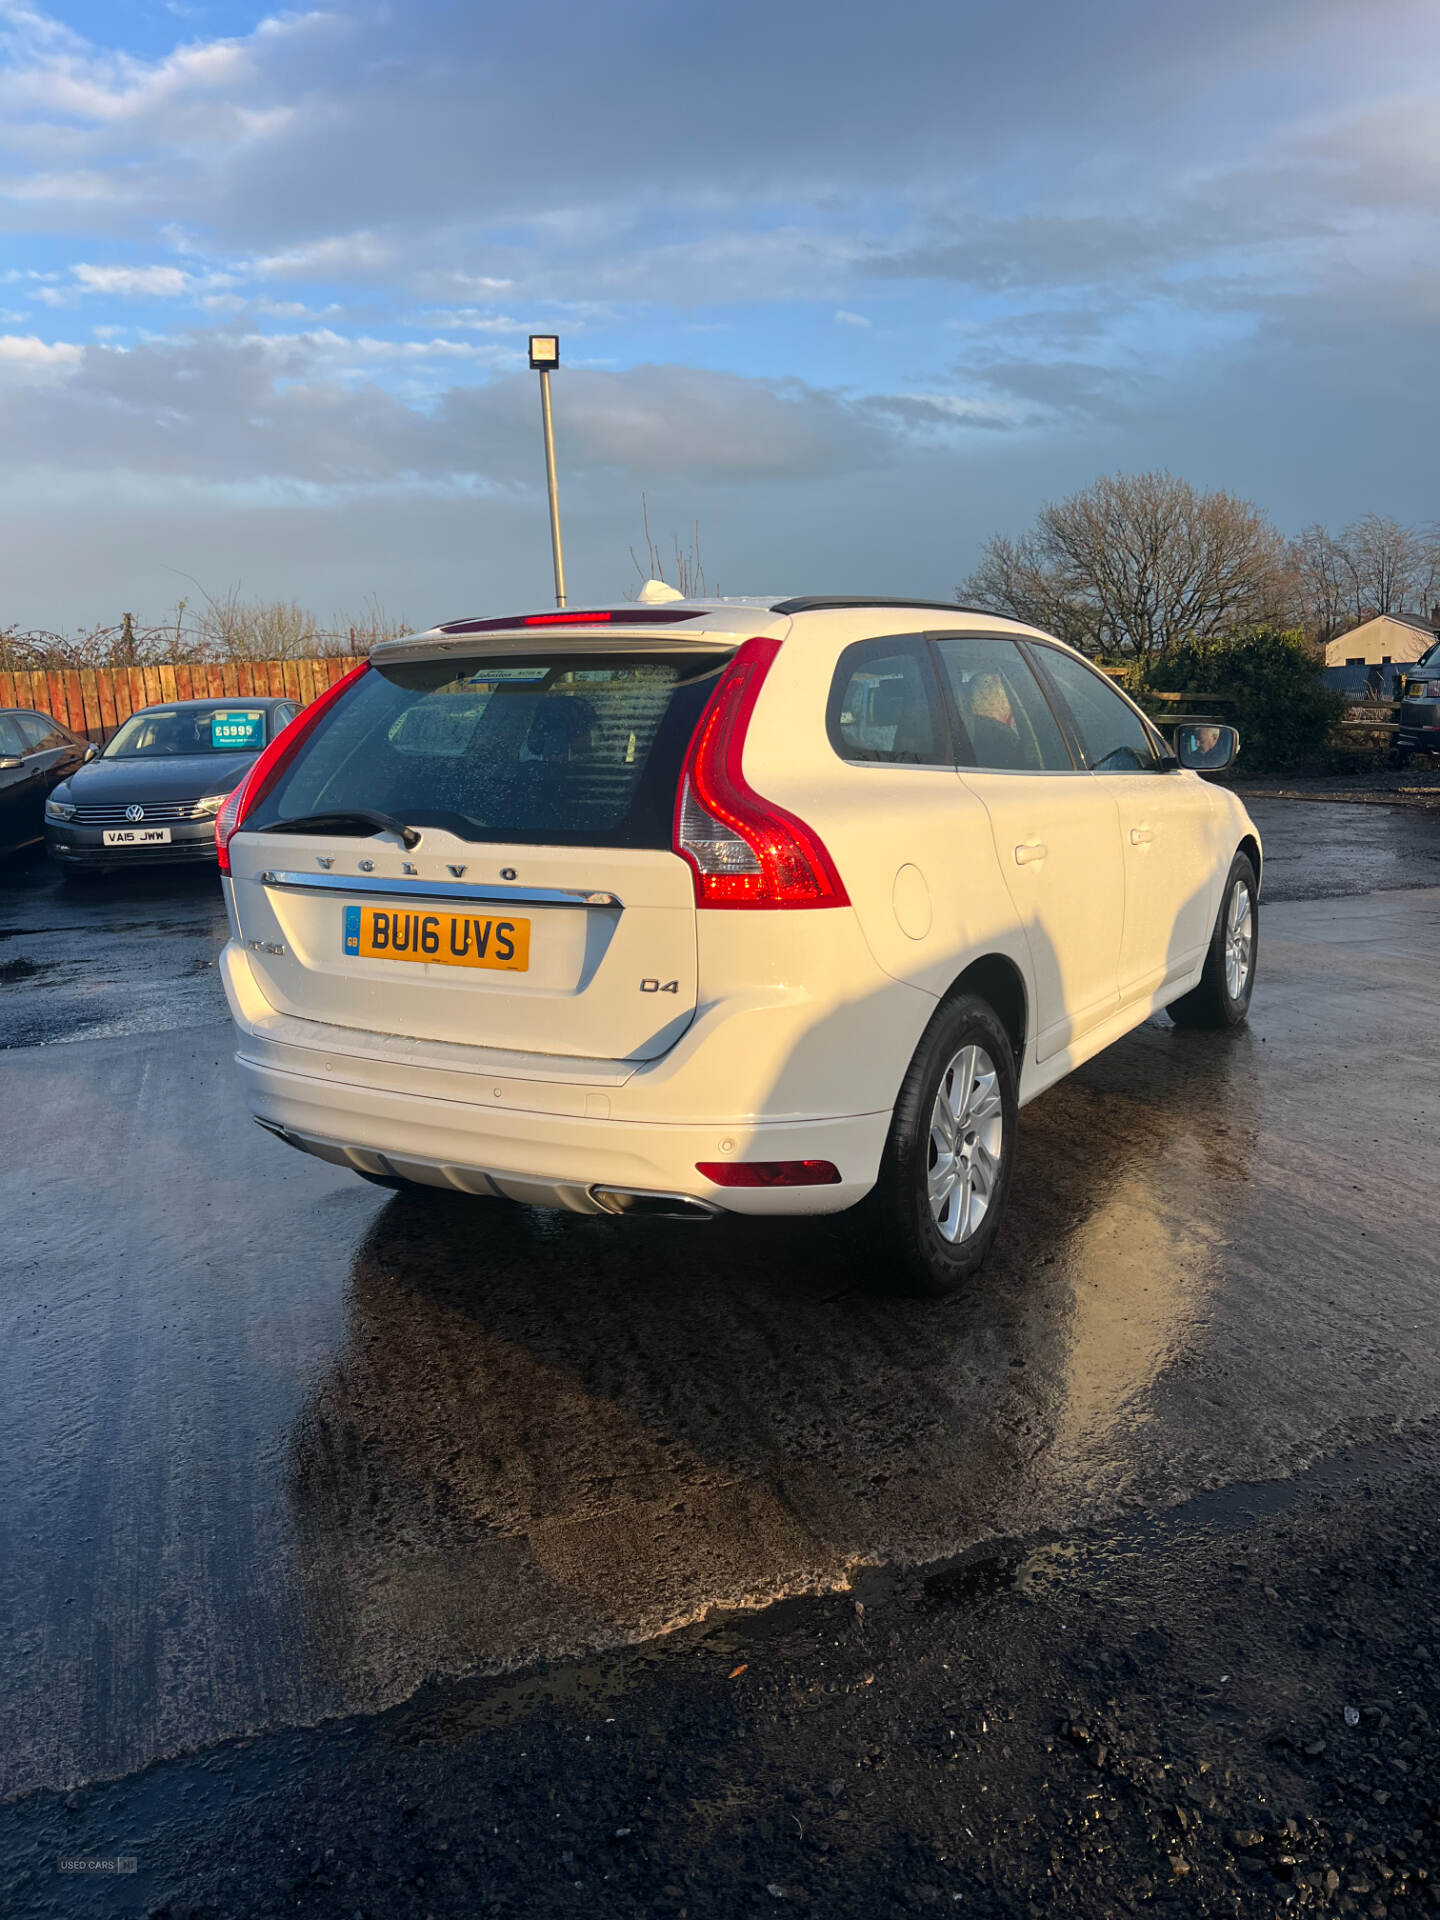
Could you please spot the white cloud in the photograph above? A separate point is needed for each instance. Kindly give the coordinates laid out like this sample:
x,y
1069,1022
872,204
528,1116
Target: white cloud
x,y
337,256
290,309
79,186
53,72
326,342
479,322
479,283
26,360
1122,202
308,407
166,283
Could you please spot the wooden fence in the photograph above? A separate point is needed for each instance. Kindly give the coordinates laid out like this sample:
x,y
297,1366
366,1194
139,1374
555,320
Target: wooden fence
x,y
94,701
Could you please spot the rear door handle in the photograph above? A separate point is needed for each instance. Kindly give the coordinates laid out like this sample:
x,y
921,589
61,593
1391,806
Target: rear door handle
x,y
1141,836
1029,850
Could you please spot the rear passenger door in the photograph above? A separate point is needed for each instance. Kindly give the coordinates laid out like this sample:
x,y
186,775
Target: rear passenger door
x,y
913,845
1166,826
1056,833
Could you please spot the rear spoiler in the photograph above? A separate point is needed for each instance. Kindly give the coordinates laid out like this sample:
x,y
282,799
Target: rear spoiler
x,y
436,644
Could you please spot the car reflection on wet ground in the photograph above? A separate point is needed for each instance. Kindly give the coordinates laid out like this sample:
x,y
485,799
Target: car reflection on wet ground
x,y
277,1447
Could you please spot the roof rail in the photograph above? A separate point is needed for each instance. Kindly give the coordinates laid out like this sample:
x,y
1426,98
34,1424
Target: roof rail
x,y
824,603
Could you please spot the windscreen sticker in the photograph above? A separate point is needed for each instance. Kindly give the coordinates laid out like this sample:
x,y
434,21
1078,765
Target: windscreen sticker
x,y
234,732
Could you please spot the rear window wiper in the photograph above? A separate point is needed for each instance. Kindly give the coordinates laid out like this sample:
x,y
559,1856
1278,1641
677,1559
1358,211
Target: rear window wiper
x,y
346,820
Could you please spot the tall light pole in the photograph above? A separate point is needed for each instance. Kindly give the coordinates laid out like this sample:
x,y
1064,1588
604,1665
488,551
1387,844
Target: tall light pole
x,y
545,354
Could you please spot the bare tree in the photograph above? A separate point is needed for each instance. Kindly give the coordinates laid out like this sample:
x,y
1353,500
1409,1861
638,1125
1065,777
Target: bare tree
x,y
1322,583
1374,566
1391,568
1020,577
358,632
227,628
125,645
1137,562
238,629
687,566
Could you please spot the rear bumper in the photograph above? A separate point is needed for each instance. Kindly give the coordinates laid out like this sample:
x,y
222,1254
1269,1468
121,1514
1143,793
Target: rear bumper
x,y
548,1159
1419,729
547,1131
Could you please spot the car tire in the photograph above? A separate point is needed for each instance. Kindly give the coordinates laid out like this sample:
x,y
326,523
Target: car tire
x,y
1222,999
961,1086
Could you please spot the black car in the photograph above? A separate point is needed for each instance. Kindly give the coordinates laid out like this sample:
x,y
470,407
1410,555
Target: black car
x,y
1420,705
36,753
154,792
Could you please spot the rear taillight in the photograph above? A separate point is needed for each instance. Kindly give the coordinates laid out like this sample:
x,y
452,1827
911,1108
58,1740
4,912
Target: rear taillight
x,y
745,851
770,1173
272,763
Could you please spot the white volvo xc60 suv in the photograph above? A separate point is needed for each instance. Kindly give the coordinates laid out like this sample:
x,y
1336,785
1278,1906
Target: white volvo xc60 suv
x,y
704,906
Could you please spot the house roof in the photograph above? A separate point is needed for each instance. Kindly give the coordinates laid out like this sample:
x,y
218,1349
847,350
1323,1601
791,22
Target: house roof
x,y
1414,620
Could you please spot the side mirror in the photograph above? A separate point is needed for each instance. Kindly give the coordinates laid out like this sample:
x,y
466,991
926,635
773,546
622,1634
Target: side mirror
x,y
1206,749
9,762
92,752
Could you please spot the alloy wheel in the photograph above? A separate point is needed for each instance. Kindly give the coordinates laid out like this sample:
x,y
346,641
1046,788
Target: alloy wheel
x,y
1239,940
967,1129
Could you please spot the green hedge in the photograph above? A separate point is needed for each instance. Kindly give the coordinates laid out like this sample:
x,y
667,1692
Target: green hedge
x,y
1285,713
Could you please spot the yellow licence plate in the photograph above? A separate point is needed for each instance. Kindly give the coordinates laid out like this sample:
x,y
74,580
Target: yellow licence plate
x,y
437,939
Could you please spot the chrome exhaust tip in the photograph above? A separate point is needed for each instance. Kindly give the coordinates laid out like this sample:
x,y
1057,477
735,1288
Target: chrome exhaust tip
x,y
656,1206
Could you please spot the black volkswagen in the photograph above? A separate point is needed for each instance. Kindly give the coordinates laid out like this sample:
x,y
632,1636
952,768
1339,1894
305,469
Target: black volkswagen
x,y
154,792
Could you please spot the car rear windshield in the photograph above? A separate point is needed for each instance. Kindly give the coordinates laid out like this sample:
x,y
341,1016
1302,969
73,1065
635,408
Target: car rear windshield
x,y
559,750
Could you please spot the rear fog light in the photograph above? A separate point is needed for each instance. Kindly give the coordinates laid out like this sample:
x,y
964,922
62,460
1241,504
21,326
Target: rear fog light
x,y
770,1173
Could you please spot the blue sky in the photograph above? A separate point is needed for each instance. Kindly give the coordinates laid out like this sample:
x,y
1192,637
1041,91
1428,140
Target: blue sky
x,y
852,287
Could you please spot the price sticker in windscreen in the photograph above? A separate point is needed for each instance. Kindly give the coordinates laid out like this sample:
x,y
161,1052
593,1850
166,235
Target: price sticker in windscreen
x,y
236,730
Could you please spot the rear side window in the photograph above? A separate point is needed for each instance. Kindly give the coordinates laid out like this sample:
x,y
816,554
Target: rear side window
x,y
38,731
1113,737
556,750
1003,713
885,706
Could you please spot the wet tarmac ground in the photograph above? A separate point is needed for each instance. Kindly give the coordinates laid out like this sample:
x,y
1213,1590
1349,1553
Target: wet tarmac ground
x,y
276,1448
135,953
